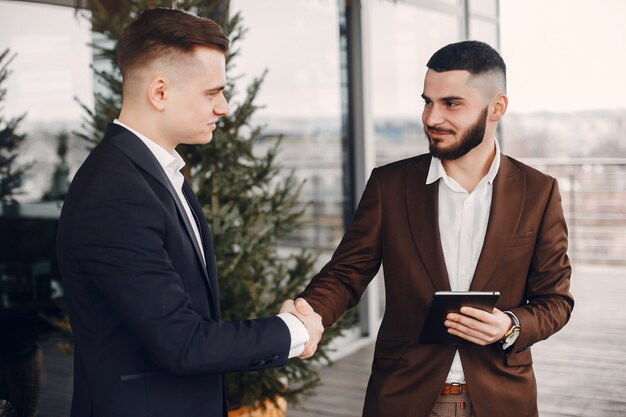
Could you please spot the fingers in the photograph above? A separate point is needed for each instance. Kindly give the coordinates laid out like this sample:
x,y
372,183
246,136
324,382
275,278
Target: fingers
x,y
311,320
299,307
313,323
302,306
309,350
288,307
478,326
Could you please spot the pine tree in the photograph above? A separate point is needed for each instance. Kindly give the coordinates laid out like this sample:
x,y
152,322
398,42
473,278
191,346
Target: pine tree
x,y
60,177
249,207
11,173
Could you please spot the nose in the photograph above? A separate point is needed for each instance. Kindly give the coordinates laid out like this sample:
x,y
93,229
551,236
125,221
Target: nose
x,y
432,115
221,106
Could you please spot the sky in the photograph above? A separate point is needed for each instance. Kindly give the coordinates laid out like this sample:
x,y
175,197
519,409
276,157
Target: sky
x,y
564,55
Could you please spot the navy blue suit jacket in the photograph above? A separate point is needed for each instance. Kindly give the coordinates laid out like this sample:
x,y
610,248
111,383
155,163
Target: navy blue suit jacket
x,y
143,307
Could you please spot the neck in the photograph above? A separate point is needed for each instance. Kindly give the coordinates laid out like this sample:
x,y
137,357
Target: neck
x,y
469,169
147,126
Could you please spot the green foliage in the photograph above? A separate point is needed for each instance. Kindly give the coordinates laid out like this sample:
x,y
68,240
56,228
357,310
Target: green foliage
x,y
249,207
11,174
250,211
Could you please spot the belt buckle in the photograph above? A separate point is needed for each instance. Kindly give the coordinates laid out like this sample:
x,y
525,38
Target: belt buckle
x,y
459,386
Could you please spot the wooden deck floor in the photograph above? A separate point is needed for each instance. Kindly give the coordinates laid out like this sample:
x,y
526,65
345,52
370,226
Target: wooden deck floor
x,y
581,371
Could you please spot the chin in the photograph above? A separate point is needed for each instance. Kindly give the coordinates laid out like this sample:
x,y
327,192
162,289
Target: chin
x,y
204,139
198,141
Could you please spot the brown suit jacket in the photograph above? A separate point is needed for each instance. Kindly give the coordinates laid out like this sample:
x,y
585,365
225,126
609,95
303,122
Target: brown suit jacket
x,y
524,256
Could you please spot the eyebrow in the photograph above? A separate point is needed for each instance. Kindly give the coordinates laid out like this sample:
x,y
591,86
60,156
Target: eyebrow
x,y
445,99
215,90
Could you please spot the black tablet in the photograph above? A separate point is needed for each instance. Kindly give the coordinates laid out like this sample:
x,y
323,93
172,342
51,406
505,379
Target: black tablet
x,y
444,302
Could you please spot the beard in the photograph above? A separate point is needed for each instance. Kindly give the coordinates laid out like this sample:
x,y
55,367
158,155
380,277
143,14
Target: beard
x,y
472,137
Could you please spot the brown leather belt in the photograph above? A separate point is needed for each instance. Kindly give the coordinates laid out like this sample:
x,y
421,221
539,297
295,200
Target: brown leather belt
x,y
454,389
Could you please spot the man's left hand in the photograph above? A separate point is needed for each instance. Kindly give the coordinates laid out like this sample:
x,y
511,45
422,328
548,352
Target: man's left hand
x,y
478,326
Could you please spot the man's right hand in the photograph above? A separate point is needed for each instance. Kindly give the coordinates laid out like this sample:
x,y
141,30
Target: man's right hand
x,y
311,320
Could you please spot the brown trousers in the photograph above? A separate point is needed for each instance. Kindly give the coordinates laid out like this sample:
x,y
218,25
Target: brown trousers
x,y
453,406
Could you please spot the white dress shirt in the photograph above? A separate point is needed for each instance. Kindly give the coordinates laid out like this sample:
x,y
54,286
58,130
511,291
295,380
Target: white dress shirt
x,y
463,218
172,163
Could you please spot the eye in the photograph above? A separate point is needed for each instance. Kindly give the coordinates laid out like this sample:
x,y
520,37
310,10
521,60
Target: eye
x,y
427,102
452,104
213,93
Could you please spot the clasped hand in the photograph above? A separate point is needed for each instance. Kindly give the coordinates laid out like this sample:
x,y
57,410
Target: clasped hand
x,y
311,320
478,326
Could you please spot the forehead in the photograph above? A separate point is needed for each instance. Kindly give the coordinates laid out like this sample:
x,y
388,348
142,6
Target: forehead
x,y
203,65
449,84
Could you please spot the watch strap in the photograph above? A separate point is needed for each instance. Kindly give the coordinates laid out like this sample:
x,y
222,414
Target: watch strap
x,y
514,318
516,327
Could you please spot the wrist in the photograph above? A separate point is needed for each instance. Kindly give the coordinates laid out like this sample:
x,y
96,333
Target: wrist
x,y
511,335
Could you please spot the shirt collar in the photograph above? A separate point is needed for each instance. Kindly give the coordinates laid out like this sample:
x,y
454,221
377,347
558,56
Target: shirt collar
x,y
437,170
171,163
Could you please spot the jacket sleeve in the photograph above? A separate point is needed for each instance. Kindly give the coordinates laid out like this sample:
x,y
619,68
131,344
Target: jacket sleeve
x,y
549,302
118,245
341,283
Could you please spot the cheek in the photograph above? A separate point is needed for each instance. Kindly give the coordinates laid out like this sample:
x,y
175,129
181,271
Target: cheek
x,y
200,110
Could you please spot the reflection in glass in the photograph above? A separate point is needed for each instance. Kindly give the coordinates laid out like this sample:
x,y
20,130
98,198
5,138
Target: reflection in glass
x,y
297,41
50,71
484,30
484,7
403,38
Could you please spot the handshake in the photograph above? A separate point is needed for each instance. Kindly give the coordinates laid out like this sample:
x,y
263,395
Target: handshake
x,y
311,320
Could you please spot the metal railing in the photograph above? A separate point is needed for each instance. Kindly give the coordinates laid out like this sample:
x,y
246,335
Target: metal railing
x,y
594,202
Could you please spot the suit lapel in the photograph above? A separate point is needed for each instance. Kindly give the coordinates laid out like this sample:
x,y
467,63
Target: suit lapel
x,y
135,149
421,200
209,251
507,203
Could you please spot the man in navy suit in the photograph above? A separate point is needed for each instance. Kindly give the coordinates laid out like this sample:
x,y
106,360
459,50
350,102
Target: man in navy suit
x,y
135,252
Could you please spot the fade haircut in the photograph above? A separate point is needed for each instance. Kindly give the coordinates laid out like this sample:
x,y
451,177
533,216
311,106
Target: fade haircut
x,y
477,58
166,34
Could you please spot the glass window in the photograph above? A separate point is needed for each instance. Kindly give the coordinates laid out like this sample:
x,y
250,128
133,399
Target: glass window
x,y
403,37
297,41
484,30
484,7
50,71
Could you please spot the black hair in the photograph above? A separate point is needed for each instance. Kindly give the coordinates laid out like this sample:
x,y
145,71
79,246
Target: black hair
x,y
472,56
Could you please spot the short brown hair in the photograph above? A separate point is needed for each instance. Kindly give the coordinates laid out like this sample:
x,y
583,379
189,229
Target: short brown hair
x,y
160,32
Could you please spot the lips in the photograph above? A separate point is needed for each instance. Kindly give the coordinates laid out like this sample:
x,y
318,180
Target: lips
x,y
438,133
439,130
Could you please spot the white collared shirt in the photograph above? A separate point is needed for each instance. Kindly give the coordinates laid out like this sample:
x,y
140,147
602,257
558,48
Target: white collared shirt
x,y
463,218
172,163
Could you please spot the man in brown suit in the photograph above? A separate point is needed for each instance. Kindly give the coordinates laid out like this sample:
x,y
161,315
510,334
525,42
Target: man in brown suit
x,y
463,217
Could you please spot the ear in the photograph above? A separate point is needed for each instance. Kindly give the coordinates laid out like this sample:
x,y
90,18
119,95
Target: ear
x,y
498,107
158,93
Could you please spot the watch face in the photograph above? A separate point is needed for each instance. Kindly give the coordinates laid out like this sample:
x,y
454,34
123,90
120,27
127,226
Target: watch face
x,y
513,336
